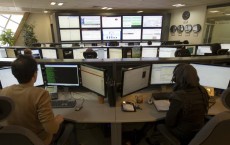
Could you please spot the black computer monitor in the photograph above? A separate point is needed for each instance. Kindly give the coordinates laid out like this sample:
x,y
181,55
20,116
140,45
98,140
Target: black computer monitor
x,y
167,51
48,53
94,79
114,52
134,79
213,76
162,73
8,79
3,53
62,75
149,52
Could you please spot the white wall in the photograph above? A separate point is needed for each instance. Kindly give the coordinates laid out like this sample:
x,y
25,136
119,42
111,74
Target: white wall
x,y
42,28
197,16
221,32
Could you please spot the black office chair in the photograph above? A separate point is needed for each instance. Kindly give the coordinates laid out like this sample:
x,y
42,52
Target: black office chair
x,y
182,53
216,131
12,134
90,54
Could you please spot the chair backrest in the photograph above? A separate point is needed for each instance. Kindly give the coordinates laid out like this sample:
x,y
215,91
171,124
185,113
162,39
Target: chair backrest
x,y
11,135
90,54
182,53
217,130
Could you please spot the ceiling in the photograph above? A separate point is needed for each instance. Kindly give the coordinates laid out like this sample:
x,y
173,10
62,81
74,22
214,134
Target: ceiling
x,y
36,6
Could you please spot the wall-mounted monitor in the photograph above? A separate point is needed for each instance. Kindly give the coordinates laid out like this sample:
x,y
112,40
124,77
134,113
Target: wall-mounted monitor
x,y
151,34
152,21
132,21
49,53
62,75
201,50
8,79
167,52
68,21
111,34
94,79
213,76
78,53
149,52
162,73
141,81
111,21
115,53
91,34
3,53
70,35
131,34
35,53
90,22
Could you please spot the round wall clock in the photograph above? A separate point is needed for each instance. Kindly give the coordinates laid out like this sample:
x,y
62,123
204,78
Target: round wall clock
x,y
196,28
173,28
180,28
186,15
188,28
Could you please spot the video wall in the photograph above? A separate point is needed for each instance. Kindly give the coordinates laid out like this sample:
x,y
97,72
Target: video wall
x,y
109,28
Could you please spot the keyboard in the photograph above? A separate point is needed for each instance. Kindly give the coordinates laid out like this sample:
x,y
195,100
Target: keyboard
x,y
63,103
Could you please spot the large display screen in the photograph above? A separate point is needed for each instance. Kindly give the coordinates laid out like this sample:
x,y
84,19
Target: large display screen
x,y
68,21
152,21
131,34
70,35
111,21
111,34
91,34
132,21
90,22
152,34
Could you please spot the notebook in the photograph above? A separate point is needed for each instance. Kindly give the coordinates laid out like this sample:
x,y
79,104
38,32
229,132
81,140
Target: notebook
x,y
161,105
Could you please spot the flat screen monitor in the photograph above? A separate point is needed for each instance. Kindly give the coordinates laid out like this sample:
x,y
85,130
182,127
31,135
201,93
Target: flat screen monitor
x,y
131,34
90,22
111,21
191,49
70,35
156,43
151,34
134,79
10,53
132,21
152,21
66,45
115,52
35,53
94,79
78,53
8,79
213,76
111,34
149,52
201,50
49,53
167,52
162,73
3,53
225,46
62,75
91,34
68,21
101,52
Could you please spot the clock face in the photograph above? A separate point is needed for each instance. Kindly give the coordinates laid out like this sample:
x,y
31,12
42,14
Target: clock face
x,y
180,28
186,15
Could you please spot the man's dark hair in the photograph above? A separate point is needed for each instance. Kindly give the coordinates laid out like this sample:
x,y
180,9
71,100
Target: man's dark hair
x,y
185,77
23,68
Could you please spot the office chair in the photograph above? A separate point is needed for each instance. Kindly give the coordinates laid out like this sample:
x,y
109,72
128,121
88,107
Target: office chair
x,y
89,54
216,131
222,52
12,134
182,53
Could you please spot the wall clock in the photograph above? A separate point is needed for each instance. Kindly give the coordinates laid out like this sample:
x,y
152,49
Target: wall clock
x,y
173,28
186,15
196,28
180,28
188,28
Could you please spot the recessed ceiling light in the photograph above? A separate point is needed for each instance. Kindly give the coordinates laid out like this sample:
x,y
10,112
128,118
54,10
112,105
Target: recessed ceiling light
x,y
60,4
109,8
214,11
45,11
104,8
53,3
179,5
139,11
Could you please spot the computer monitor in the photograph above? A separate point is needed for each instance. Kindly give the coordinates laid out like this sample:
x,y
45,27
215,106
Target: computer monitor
x,y
134,79
49,53
131,34
111,34
90,22
152,21
91,34
101,52
151,34
213,76
167,52
78,53
162,73
62,75
10,53
149,52
3,53
8,79
70,35
132,21
94,79
115,53
225,46
35,53
201,50
111,21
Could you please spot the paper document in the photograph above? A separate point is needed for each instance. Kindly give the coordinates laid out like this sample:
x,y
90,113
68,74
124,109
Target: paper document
x,y
162,105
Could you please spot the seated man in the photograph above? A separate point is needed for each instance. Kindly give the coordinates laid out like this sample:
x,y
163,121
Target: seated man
x,y
32,104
